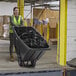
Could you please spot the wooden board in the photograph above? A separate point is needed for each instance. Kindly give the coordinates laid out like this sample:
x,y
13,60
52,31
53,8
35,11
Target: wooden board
x,y
1,29
53,17
45,13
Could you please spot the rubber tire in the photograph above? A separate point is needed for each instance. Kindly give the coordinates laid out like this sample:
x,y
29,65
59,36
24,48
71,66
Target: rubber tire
x,y
21,63
33,63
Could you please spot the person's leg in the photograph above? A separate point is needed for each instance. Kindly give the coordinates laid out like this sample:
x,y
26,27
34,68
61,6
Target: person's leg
x,y
11,47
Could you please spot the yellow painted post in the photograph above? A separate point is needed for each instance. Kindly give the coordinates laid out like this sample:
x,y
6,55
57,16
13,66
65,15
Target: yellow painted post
x,y
41,29
48,32
21,7
31,22
63,32
25,22
18,3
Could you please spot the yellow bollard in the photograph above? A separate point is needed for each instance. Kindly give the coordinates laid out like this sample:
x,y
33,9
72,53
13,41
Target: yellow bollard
x,y
31,22
48,32
41,29
25,23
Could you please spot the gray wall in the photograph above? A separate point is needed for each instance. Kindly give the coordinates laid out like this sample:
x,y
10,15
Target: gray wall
x,y
71,30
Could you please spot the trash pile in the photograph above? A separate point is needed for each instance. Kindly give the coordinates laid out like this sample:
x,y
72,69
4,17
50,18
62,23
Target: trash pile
x,y
33,40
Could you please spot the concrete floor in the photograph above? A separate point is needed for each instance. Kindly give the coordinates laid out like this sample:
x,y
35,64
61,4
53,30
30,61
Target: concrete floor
x,y
46,62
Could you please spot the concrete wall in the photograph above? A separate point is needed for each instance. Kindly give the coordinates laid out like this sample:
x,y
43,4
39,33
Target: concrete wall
x,y
71,30
6,9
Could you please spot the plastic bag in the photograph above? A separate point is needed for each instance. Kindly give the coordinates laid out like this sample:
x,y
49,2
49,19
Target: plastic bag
x,y
6,30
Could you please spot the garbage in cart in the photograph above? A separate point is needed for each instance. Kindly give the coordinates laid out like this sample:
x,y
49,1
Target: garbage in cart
x,y
29,44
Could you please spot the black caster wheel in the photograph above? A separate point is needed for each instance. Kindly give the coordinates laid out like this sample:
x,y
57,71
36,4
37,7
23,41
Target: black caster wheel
x,y
21,63
33,63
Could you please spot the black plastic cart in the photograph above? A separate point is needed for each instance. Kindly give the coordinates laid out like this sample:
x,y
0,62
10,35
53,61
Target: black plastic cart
x,y
29,45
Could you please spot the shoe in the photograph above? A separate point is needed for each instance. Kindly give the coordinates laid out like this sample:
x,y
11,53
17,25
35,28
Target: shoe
x,y
11,58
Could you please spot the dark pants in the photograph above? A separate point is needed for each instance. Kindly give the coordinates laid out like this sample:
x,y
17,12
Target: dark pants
x,y
11,43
